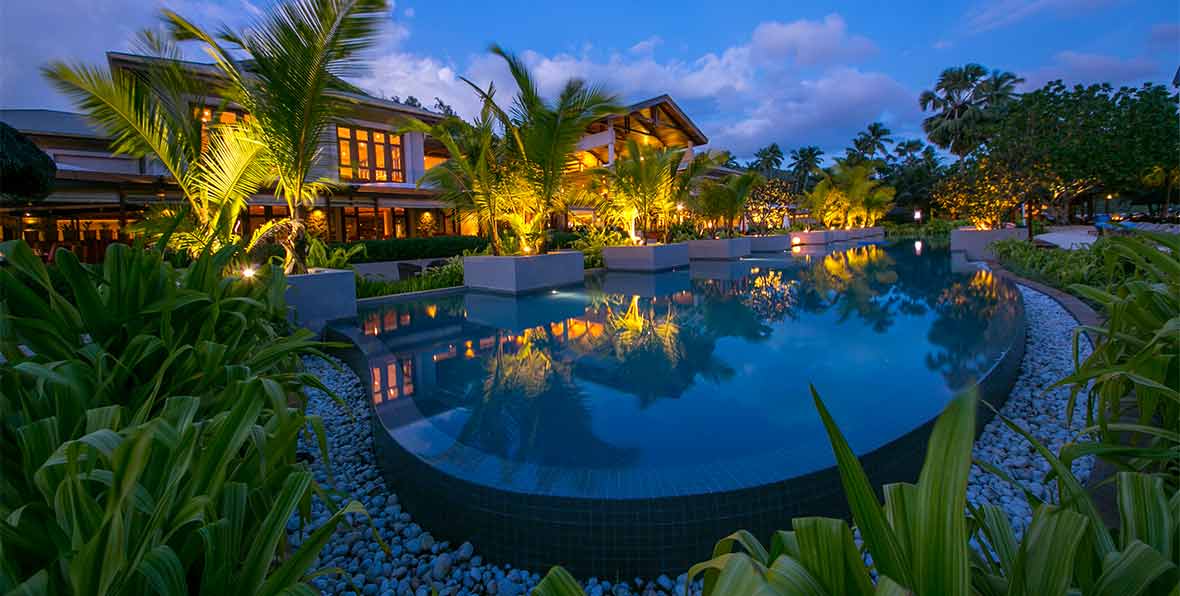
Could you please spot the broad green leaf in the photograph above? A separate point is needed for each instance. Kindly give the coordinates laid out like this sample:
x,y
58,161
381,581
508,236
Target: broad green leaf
x,y
888,555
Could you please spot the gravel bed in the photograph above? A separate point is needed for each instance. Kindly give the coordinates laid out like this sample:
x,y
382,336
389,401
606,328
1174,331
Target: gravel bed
x,y
1048,356
418,563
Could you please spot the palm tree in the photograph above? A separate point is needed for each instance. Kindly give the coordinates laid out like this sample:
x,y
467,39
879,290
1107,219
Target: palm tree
x,y
849,195
726,200
150,114
963,99
545,134
767,159
469,180
872,140
295,59
804,161
647,184
908,149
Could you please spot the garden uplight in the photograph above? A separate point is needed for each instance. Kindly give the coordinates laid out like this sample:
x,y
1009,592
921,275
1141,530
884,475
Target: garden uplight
x,y
795,240
248,272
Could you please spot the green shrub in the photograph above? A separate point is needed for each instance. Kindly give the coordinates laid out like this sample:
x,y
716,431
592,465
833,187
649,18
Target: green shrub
x,y
920,539
433,278
321,256
147,443
592,243
401,249
1132,377
1056,267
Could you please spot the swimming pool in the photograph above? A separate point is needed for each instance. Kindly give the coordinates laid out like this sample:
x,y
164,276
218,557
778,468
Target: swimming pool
x,y
623,426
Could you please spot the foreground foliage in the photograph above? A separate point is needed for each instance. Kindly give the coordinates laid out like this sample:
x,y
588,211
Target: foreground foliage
x,y
921,542
1131,380
149,429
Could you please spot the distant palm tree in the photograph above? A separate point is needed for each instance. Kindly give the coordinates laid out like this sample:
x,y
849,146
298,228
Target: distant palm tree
x,y
767,159
872,140
293,60
804,161
962,100
908,149
545,134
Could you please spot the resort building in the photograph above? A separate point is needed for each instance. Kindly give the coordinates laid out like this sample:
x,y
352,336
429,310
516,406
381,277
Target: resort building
x,y
97,193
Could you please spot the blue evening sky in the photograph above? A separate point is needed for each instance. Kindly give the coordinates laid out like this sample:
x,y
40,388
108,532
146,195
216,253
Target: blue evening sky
x,y
749,72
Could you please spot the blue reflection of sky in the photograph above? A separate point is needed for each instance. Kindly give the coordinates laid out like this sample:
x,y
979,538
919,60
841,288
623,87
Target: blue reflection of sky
x,y
551,408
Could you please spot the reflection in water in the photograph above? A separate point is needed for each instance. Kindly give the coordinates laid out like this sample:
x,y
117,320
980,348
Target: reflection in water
x,y
578,378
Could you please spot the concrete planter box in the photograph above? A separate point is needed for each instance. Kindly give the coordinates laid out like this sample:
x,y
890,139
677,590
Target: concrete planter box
x,y
728,248
976,243
653,257
812,237
770,243
321,295
520,274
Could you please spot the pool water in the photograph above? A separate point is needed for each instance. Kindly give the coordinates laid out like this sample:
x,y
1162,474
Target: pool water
x,y
685,382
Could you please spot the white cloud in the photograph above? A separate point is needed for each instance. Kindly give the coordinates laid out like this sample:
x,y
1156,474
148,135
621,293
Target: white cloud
x,y
647,46
809,43
994,14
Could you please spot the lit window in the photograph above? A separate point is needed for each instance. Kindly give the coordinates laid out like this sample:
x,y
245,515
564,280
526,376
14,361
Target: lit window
x,y
385,163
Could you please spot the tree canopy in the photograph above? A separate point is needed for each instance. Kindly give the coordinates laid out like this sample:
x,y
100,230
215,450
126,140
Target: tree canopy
x,y
26,172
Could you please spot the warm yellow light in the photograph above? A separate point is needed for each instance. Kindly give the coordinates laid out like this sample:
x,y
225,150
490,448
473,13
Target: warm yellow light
x,y
248,272
680,206
795,240
432,310
796,249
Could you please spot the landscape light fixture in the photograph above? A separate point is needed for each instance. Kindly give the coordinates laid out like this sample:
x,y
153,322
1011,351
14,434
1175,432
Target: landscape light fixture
x,y
248,272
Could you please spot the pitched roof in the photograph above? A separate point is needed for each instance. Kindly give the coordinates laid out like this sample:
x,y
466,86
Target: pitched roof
x,y
355,94
665,101
50,122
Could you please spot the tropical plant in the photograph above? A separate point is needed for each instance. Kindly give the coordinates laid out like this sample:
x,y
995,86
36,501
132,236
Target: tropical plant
x,y
726,200
151,416
544,134
921,541
1166,178
448,275
593,241
470,179
319,255
26,172
646,184
149,113
979,190
1131,378
286,70
770,203
964,100
849,196
804,161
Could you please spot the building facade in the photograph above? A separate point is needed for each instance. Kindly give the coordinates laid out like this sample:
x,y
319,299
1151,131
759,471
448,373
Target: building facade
x,y
376,171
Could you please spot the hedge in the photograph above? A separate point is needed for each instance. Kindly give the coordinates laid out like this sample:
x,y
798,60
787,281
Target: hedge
x,y
435,247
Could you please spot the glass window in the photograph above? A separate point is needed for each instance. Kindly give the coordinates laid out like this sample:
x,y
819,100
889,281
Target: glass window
x,y
355,161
